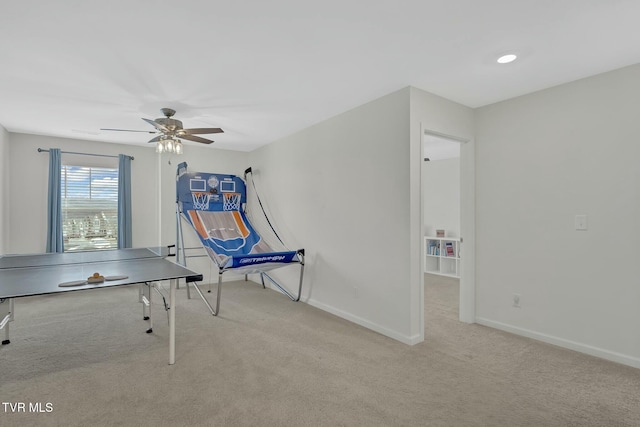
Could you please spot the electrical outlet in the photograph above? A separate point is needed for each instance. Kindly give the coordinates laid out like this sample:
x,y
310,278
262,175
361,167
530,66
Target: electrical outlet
x,y
516,300
581,222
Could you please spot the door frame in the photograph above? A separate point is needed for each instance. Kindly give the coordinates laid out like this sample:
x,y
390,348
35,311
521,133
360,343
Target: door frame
x,y
467,307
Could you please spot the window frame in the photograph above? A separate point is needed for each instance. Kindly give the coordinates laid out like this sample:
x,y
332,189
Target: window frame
x,y
88,236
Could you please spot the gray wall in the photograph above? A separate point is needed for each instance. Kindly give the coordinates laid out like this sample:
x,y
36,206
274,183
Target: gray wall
x,y
340,189
442,197
28,191
348,190
542,159
153,186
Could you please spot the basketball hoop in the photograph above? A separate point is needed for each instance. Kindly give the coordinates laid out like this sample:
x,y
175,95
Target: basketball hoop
x,y
230,201
200,201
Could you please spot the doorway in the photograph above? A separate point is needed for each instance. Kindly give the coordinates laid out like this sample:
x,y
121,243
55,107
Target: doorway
x,y
441,225
467,292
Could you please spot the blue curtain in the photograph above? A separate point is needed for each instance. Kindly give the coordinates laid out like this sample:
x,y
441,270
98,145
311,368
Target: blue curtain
x,y
55,242
124,201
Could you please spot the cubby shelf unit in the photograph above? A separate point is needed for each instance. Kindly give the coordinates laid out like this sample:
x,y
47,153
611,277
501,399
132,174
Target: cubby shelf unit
x,y
442,256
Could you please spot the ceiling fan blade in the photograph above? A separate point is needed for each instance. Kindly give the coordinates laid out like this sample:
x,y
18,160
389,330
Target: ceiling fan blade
x,y
128,130
195,139
158,126
200,131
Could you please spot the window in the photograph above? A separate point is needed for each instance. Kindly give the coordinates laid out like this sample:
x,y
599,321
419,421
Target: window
x,y
89,208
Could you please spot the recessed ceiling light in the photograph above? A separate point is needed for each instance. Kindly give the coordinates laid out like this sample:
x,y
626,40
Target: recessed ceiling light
x,y
505,59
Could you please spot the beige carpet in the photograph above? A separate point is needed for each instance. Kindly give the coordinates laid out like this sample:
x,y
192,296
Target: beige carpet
x,y
268,361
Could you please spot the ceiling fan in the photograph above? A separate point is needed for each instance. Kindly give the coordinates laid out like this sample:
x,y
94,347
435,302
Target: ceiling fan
x,y
170,128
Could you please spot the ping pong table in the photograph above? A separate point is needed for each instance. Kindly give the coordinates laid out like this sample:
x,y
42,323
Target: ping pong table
x,y
56,273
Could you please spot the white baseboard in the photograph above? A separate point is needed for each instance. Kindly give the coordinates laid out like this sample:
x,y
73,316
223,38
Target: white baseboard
x,y
561,342
364,323
409,340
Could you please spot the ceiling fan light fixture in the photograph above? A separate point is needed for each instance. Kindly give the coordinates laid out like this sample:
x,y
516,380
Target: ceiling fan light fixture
x,y
169,145
170,130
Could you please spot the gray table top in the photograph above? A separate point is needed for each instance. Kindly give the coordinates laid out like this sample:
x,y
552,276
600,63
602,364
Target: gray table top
x,y
37,274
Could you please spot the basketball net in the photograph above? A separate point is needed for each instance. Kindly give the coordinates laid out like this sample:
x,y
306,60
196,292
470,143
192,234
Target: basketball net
x,y
230,201
200,201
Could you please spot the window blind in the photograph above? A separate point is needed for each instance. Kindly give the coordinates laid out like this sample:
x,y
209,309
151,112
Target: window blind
x,y
89,208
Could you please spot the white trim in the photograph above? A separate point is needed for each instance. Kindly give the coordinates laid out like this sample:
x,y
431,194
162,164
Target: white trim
x,y
467,307
410,340
561,342
423,251
201,189
224,183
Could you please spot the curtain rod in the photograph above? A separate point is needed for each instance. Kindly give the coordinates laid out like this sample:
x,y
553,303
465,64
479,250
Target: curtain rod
x,y
41,150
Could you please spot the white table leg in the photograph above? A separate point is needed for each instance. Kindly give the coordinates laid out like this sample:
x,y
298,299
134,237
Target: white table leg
x,y
5,325
172,322
6,317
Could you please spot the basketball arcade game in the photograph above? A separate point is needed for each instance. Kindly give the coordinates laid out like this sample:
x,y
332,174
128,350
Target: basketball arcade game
x,y
215,207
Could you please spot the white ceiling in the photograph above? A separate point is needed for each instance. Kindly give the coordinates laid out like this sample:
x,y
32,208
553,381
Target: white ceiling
x,y
263,70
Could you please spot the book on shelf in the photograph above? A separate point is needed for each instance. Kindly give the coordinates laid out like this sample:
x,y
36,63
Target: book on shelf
x,y
449,249
433,248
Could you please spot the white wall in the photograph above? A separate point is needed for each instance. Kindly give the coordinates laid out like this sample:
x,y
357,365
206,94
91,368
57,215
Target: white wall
x,y
152,186
4,189
542,159
28,195
340,189
436,115
349,191
441,188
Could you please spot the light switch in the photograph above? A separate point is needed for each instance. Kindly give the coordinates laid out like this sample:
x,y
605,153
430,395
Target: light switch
x,y
581,222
